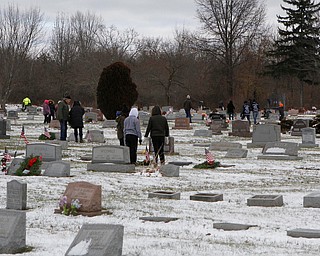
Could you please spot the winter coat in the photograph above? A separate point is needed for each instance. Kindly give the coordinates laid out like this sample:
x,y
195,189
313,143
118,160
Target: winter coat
x,y
255,106
46,108
120,125
187,105
246,109
76,116
157,126
230,108
132,124
63,111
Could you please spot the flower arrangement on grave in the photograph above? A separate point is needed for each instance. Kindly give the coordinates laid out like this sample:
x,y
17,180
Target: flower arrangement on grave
x,y
6,158
69,209
45,137
210,163
31,166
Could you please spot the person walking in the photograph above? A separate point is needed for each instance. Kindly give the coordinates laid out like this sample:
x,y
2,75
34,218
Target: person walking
x,y
76,120
255,110
46,112
281,111
187,105
63,115
26,102
132,133
246,111
120,124
52,110
230,110
159,129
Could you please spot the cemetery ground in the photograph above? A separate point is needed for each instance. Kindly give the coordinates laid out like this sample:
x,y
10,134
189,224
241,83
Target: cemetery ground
x,y
125,197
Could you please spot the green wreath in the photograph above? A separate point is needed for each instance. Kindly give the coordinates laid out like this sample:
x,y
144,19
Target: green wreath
x,y
205,165
30,166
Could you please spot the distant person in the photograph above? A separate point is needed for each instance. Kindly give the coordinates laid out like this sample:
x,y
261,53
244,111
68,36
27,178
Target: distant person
x,y
159,129
255,110
120,124
63,115
281,111
187,105
52,110
132,133
46,111
76,120
246,111
221,105
26,102
230,110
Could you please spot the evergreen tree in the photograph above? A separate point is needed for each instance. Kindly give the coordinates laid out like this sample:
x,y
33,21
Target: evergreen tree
x,y
115,88
296,51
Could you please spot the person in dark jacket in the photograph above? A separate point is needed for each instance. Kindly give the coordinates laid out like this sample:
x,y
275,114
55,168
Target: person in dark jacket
x,y
255,110
76,120
120,124
63,115
158,129
230,110
187,105
52,110
246,111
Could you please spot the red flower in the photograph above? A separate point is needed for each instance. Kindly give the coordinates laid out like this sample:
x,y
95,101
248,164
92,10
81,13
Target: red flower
x,y
32,161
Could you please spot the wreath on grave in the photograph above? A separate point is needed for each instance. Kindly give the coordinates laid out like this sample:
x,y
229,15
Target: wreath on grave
x,y
30,166
44,137
206,165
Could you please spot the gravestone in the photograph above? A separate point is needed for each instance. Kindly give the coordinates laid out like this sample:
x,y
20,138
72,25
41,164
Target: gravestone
x,y
12,114
15,164
240,128
95,136
216,127
100,116
168,147
303,232
110,154
63,143
54,124
265,200
312,200
49,152
265,133
164,195
110,167
98,240
308,138
3,129
203,133
90,117
16,195
182,123
158,219
167,108
298,124
144,117
8,125
280,151
232,226
224,145
170,170
89,196
109,124
12,231
236,153
32,110
57,169
207,197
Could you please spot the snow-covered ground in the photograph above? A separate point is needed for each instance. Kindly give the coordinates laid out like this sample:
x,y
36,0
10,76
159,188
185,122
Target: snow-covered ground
x,y
126,196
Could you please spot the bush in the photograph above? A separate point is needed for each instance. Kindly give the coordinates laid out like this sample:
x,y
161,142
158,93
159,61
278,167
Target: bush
x,y
115,88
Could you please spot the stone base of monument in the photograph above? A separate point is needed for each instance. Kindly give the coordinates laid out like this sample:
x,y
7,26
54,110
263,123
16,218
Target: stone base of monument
x,y
232,226
110,167
256,144
164,195
265,200
206,197
87,214
279,157
312,200
205,145
306,233
241,134
308,145
158,219
4,137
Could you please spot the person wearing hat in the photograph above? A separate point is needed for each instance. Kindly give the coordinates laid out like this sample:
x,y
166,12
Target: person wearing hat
x,y
63,115
187,105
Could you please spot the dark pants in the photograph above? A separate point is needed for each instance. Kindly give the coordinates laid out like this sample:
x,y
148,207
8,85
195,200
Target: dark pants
x,y
188,114
63,129
121,140
75,132
158,145
46,119
132,143
231,116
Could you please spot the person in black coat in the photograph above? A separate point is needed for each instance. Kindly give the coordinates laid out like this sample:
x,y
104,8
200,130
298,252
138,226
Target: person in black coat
x,y
76,120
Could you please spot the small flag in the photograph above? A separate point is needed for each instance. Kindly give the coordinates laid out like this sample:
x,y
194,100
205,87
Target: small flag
x,y
6,155
23,136
46,133
147,155
209,157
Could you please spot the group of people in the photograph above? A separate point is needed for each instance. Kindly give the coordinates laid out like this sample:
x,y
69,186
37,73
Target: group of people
x,y
48,110
129,132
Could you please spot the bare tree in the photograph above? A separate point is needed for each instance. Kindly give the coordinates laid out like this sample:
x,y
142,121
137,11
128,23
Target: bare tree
x,y
229,27
20,31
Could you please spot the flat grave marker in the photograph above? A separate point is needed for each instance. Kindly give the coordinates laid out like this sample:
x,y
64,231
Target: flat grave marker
x,y
164,195
265,200
207,197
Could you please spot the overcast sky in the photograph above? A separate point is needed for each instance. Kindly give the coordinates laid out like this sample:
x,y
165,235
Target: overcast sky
x,y
147,17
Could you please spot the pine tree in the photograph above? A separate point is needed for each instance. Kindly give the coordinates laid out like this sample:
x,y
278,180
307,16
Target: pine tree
x,y
115,88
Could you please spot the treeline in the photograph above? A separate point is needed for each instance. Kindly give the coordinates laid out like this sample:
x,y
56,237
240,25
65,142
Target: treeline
x,y
212,65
